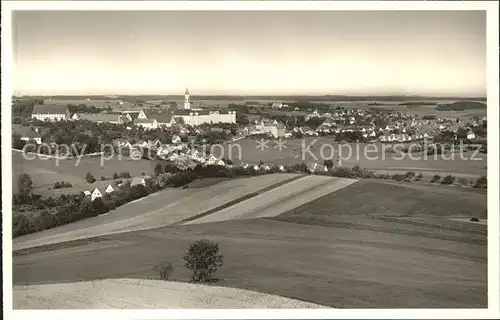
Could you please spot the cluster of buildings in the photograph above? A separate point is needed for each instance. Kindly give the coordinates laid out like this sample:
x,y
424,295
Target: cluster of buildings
x,y
148,119
401,128
112,188
269,127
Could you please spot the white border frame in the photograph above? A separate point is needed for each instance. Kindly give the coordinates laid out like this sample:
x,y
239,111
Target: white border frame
x,y
491,7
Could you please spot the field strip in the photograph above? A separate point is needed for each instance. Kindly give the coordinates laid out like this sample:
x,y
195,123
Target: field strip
x,y
246,197
145,294
138,217
403,170
279,200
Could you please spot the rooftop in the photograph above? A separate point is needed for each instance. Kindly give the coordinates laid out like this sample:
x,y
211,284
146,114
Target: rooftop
x,y
50,109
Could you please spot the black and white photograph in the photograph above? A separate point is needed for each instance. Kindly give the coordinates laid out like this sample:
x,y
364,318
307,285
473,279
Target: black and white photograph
x,y
291,159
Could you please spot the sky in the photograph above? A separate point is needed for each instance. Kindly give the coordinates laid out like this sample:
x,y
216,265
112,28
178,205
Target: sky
x,y
250,52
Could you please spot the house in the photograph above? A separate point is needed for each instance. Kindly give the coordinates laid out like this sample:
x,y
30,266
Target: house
x,y
96,194
311,166
244,165
154,144
87,193
49,112
471,135
147,124
130,115
321,168
281,168
147,114
277,105
308,131
313,114
323,128
172,156
138,180
220,163
199,117
211,160
176,139
329,123
265,167
165,119
115,118
272,127
255,167
27,133
109,189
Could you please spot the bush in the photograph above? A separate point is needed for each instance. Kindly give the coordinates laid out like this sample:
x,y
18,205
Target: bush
x,y
90,178
343,173
462,181
115,176
203,258
410,175
165,269
158,169
419,177
398,177
62,184
436,178
448,180
474,219
125,175
481,182
99,207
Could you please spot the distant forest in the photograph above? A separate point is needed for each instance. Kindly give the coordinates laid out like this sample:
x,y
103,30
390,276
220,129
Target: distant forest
x,y
461,106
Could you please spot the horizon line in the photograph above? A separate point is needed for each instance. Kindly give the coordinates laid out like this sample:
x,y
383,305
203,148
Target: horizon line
x,y
482,96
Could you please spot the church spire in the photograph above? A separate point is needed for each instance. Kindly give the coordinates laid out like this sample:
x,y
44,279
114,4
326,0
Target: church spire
x,y
187,103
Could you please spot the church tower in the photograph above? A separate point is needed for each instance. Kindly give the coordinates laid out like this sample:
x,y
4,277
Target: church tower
x,y
187,104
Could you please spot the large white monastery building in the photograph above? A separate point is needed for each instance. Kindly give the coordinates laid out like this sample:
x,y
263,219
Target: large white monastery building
x,y
192,117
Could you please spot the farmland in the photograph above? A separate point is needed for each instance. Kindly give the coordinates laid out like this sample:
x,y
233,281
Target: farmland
x,y
362,155
340,249
45,172
146,294
160,209
331,241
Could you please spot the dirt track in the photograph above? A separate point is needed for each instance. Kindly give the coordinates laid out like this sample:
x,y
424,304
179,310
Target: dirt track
x,y
145,294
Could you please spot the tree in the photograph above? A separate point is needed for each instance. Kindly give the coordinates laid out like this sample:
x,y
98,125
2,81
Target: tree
x,y
448,180
203,258
158,169
90,178
99,207
165,269
436,178
115,176
25,184
328,163
482,182
17,143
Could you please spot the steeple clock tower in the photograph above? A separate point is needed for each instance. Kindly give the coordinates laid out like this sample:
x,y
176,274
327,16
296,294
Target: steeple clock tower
x,y
187,104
